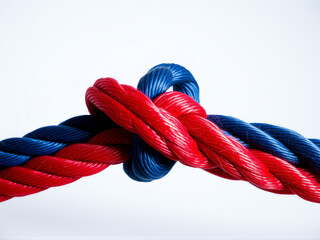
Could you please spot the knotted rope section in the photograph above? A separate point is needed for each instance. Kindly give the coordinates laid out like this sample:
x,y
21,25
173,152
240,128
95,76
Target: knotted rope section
x,y
150,129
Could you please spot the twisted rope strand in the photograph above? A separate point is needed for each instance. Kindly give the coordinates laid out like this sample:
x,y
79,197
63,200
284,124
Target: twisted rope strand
x,y
278,141
78,160
49,140
158,129
166,123
67,165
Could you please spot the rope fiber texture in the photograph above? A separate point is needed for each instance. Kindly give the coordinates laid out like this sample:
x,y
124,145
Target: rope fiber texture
x,y
150,129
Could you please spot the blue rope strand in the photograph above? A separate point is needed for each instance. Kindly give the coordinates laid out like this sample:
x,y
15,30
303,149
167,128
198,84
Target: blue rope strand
x,y
316,142
49,140
278,141
29,146
253,136
147,164
305,149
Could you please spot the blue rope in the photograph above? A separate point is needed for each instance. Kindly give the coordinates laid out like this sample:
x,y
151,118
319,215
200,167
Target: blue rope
x,y
49,140
146,163
305,149
278,141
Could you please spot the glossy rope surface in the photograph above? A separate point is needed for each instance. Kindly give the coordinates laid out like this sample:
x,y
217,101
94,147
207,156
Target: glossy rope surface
x,y
149,130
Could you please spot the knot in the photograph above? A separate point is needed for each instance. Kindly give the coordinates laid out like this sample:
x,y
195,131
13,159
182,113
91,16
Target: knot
x,y
158,129
146,163
156,122
176,126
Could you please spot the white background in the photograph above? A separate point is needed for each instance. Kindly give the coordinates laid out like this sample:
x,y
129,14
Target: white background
x,y
255,60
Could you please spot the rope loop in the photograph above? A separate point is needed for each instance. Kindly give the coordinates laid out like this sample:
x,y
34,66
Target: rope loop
x,y
146,163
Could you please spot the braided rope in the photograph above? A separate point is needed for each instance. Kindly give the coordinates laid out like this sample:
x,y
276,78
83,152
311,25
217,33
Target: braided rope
x,y
278,141
166,127
67,165
48,140
177,127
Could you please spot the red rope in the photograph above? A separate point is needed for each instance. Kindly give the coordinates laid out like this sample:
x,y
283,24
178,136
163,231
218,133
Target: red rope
x,y
67,165
176,126
173,124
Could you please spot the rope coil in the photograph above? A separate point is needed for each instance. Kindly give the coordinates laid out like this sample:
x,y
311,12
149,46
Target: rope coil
x,y
149,130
